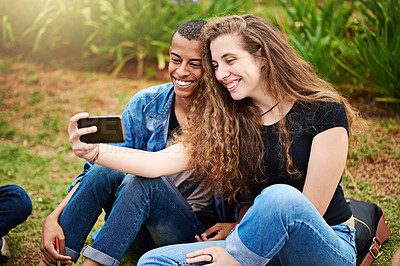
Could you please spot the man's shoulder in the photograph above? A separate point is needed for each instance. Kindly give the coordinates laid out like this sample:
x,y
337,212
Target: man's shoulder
x,y
152,99
153,91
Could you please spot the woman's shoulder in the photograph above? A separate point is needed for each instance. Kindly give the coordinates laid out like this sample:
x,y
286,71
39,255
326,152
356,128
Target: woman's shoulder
x,y
322,115
319,106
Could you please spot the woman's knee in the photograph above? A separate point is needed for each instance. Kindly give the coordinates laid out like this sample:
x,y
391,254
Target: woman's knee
x,y
279,197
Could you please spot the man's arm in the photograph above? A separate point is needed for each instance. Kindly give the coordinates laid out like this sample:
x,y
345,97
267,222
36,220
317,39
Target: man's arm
x,y
222,230
50,230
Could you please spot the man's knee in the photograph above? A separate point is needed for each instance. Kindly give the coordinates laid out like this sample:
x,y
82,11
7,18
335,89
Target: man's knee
x,y
134,182
100,175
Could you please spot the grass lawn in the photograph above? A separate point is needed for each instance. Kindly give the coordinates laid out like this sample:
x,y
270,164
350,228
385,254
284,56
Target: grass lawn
x,y
36,104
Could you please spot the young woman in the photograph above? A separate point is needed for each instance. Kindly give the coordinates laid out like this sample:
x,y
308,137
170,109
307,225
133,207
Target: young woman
x,y
267,128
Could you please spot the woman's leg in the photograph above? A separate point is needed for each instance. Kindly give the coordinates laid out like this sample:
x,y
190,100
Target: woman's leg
x,y
283,222
143,201
175,254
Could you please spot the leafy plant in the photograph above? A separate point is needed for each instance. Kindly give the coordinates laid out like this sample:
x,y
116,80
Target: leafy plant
x,y
7,32
377,47
317,32
58,22
139,29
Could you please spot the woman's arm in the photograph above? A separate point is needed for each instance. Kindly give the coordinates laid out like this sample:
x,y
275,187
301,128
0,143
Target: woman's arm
x,y
325,167
169,161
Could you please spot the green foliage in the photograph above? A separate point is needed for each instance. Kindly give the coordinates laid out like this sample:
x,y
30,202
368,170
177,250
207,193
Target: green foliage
x,y
131,30
7,32
5,132
43,25
138,29
317,31
115,31
377,47
5,67
58,22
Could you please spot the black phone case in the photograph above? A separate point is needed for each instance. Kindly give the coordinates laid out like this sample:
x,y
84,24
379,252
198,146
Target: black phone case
x,y
110,129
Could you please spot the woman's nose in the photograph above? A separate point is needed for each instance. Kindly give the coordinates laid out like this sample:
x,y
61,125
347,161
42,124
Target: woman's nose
x,y
221,73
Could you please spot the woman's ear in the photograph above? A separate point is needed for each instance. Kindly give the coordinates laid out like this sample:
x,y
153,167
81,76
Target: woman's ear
x,y
261,57
259,52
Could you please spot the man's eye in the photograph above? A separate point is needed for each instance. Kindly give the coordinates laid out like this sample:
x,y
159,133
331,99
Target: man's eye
x,y
174,59
196,65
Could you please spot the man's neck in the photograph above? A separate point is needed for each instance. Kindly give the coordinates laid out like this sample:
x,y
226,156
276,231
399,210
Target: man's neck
x,y
181,108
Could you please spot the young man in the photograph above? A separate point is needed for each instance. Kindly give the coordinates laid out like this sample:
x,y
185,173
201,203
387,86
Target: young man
x,y
140,212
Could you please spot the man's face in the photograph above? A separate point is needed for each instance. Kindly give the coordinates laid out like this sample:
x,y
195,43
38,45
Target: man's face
x,y
185,65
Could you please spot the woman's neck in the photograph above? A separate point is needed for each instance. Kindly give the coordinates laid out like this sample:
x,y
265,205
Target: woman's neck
x,y
275,114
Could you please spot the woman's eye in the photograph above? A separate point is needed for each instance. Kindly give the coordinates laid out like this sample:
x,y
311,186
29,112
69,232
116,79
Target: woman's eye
x,y
230,60
215,66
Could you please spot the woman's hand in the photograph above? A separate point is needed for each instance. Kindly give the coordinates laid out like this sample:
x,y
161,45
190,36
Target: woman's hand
x,y
221,231
82,150
50,230
213,255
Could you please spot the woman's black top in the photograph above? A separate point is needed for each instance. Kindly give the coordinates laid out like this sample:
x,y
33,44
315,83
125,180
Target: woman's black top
x,y
304,122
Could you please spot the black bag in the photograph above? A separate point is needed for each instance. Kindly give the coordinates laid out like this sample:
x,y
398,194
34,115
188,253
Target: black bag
x,y
371,229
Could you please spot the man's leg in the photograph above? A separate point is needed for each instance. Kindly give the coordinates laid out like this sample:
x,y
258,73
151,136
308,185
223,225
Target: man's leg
x,y
95,192
143,201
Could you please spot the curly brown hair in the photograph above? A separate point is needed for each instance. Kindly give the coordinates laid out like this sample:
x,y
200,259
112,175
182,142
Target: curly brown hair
x,y
224,135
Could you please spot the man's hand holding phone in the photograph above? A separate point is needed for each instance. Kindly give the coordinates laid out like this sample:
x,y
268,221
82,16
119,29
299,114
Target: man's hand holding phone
x,y
110,129
81,149
85,131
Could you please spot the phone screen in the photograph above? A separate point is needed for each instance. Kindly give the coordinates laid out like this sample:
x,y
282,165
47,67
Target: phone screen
x,y
110,129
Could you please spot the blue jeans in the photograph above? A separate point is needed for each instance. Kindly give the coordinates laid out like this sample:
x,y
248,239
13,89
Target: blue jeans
x,y
282,227
15,207
144,211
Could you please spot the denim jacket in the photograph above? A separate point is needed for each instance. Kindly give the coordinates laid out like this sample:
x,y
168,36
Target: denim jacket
x,y
146,120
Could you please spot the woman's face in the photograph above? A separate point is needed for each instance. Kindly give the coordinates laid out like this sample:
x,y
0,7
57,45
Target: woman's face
x,y
235,68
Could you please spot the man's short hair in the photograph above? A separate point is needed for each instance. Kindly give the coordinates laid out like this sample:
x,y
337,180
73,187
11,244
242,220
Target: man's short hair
x,y
190,29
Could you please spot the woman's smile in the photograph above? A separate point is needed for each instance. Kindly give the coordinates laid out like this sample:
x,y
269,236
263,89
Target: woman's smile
x,y
235,68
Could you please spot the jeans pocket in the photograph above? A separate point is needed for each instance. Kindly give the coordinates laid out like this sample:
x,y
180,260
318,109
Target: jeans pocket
x,y
346,233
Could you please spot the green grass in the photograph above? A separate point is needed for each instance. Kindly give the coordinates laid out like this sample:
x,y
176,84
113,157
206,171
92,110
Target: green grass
x,y
35,152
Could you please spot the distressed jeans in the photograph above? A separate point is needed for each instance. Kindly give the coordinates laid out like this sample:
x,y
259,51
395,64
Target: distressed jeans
x,y
144,212
281,228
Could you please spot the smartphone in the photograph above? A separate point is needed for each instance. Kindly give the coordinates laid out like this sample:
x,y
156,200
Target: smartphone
x,y
110,129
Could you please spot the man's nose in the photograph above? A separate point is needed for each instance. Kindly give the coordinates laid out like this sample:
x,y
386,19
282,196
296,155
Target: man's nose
x,y
183,70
